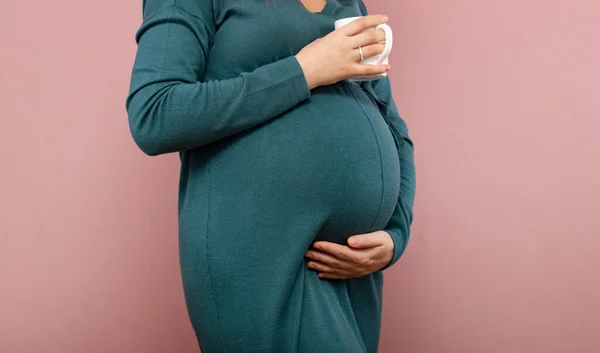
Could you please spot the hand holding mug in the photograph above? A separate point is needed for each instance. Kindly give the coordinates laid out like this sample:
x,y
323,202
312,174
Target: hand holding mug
x,y
337,56
381,58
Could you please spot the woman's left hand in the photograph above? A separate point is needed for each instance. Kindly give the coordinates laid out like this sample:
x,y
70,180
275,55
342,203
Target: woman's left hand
x,y
364,254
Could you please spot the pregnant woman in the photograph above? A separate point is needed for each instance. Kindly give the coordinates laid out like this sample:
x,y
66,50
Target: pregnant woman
x,y
296,185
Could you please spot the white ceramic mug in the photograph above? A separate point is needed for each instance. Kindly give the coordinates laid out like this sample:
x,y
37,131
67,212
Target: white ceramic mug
x,y
374,60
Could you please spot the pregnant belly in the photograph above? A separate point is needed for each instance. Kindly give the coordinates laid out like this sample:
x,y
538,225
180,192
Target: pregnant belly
x,y
332,156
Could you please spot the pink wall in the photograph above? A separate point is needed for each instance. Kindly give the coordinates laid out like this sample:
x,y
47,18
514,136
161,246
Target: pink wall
x,y
501,100
88,253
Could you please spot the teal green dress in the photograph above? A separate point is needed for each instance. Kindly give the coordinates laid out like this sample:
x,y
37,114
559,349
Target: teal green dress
x,y
267,168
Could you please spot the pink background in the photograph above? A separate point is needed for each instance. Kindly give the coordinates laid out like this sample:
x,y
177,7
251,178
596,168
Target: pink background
x,y
501,98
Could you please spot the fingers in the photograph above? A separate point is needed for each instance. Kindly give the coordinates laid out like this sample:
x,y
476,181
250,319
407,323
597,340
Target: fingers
x,y
328,259
369,240
367,38
362,23
368,70
370,51
341,252
323,268
340,261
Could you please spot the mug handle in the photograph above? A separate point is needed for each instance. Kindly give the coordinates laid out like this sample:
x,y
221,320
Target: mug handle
x,y
388,42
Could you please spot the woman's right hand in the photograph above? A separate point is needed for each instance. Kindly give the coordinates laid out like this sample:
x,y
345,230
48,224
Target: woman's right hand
x,y
336,57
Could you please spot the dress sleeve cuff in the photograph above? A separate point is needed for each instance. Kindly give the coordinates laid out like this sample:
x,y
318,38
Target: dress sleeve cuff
x,y
298,80
399,246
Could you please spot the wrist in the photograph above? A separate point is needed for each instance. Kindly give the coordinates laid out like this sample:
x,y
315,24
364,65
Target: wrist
x,y
391,250
390,245
308,74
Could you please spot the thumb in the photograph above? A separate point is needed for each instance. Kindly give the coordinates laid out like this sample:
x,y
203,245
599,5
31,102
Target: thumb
x,y
363,241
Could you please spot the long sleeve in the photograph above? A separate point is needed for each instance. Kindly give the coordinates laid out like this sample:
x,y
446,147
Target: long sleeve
x,y
399,225
170,109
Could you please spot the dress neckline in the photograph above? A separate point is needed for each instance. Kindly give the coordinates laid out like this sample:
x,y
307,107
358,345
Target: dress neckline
x,y
324,11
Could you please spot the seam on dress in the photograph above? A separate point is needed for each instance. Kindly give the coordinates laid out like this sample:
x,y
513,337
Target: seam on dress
x,y
172,6
155,13
164,56
399,141
303,269
380,160
343,288
209,30
210,280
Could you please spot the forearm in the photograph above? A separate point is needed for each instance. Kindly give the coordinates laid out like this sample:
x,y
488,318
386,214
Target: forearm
x,y
170,110
168,116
